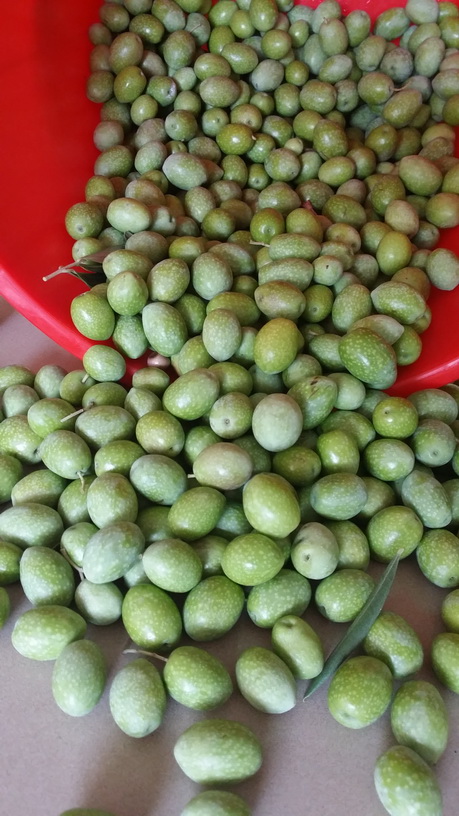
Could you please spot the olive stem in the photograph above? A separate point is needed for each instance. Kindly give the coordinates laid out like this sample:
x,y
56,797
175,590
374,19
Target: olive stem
x,y
75,413
55,273
144,652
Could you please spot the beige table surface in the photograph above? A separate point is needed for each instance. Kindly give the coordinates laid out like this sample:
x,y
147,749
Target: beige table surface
x,y
313,766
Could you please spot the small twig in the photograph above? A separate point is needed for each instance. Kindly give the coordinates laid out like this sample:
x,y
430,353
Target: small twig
x,y
144,652
75,413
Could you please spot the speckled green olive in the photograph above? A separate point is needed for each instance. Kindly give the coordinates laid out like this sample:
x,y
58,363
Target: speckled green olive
x,y
208,286
299,465
434,403
389,459
42,633
392,640
442,269
243,306
50,414
99,604
17,399
252,559
395,417
218,751
315,551
403,780
10,556
438,557
18,440
111,551
221,334
210,802
392,530
160,432
210,549
192,395
137,698
102,424
338,495
15,375
276,345
93,316
172,565
196,512
212,608
354,423
46,577
197,440
72,502
233,522
368,358
419,719
288,593
232,377
354,551
445,659
164,328
84,220
111,498
275,689
316,397
159,478
433,442
341,596
426,496
105,393
10,473
168,280
104,364
442,210
420,175
151,618
79,676
223,465
338,452
449,611
196,679
279,413
398,300
270,505
360,692
326,348
231,415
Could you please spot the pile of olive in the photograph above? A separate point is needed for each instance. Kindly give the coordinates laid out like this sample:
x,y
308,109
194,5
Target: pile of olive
x,y
270,188
175,505
271,161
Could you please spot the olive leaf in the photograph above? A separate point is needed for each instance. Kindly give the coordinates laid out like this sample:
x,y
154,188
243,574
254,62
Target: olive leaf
x,y
92,264
359,627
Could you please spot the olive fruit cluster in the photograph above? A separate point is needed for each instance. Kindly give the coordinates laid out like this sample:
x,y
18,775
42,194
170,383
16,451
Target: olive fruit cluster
x,y
175,505
270,188
274,163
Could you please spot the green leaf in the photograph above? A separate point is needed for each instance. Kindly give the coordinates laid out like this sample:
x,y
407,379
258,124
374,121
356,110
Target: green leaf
x,y
359,627
92,264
